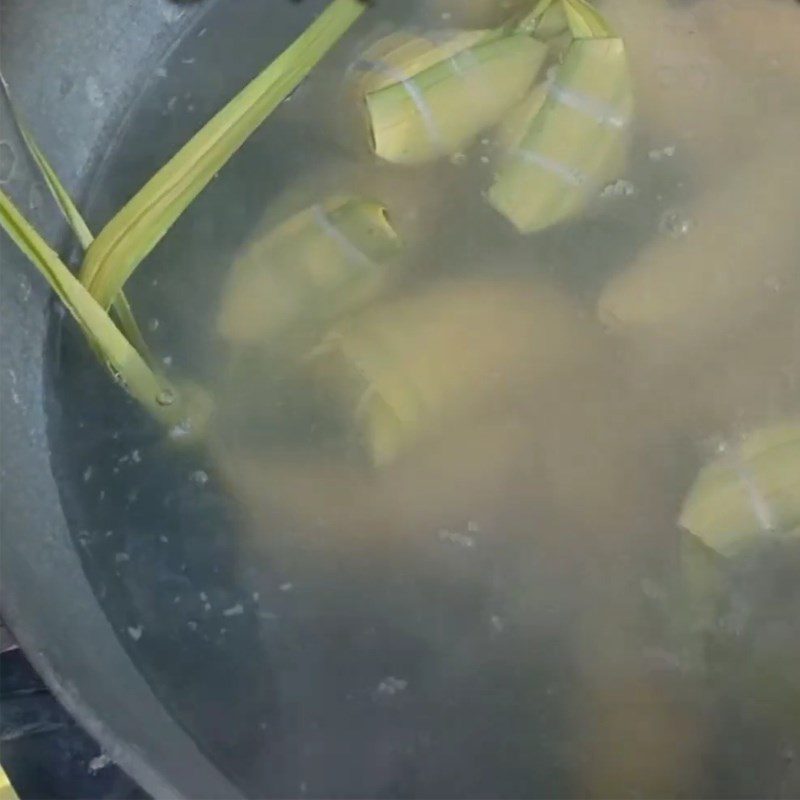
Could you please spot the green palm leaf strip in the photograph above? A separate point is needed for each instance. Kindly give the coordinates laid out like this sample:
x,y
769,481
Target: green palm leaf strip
x,y
140,225
125,363
69,210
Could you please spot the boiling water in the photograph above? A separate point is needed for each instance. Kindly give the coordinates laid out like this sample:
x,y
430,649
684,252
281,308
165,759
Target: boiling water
x,y
500,610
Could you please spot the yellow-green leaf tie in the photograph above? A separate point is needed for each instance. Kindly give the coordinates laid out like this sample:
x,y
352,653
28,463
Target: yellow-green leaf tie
x,y
570,175
599,111
353,252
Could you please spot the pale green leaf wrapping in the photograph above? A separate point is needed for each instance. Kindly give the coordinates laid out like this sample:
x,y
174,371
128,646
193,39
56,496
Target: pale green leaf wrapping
x,y
138,227
453,100
531,21
106,339
751,493
585,22
316,265
576,142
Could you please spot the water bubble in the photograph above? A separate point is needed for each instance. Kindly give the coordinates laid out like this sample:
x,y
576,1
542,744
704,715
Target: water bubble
x,y
99,762
166,397
94,92
391,686
674,223
458,159
153,325
199,477
660,153
135,632
181,431
620,188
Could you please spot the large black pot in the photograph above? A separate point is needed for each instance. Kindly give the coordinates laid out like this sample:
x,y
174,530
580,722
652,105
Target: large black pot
x,y
201,674
74,67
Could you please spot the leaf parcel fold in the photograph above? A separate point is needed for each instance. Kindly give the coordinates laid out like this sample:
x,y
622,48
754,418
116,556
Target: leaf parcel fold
x,y
410,368
323,261
428,97
578,137
750,493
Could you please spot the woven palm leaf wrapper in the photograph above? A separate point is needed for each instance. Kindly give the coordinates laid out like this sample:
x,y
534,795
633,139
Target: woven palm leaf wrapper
x,y
414,198
578,137
321,262
426,97
516,124
410,368
750,494
740,518
548,24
